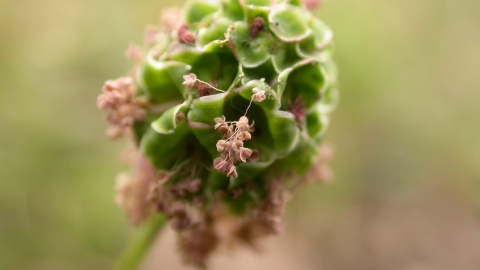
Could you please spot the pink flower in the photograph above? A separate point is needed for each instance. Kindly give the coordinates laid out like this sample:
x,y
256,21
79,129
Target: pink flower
x,y
190,80
258,95
244,154
221,145
220,164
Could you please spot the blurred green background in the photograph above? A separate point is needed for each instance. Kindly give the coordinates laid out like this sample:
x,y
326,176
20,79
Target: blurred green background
x,y
407,136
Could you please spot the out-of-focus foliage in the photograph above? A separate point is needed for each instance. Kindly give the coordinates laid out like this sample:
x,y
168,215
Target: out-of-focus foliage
x,y
408,121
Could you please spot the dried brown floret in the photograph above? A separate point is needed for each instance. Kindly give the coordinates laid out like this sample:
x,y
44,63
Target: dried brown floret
x,y
151,35
205,89
185,36
256,26
189,80
258,95
298,109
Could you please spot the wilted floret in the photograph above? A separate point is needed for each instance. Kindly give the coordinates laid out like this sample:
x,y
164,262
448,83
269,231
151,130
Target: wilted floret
x,y
258,95
256,26
119,99
185,36
231,146
190,80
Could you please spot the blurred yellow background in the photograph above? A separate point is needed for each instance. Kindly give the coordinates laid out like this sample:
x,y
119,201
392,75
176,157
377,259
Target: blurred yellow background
x,y
407,136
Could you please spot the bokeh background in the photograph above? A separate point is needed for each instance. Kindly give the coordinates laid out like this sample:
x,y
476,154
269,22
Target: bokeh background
x,y
407,136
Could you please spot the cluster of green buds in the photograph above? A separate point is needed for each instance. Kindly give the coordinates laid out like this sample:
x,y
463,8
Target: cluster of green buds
x,y
227,106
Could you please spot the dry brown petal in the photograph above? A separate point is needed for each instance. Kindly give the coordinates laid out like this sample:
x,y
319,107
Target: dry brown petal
x,y
222,128
125,109
221,144
190,80
232,171
180,116
239,144
219,120
245,153
221,125
218,163
113,118
135,53
245,136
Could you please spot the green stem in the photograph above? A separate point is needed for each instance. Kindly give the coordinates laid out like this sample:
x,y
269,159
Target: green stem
x,y
141,244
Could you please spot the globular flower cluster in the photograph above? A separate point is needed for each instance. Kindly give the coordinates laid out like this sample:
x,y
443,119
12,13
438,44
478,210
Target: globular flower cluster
x,y
119,98
227,106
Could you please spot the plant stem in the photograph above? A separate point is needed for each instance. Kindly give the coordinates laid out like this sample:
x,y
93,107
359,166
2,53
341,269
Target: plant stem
x,y
141,244
211,86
